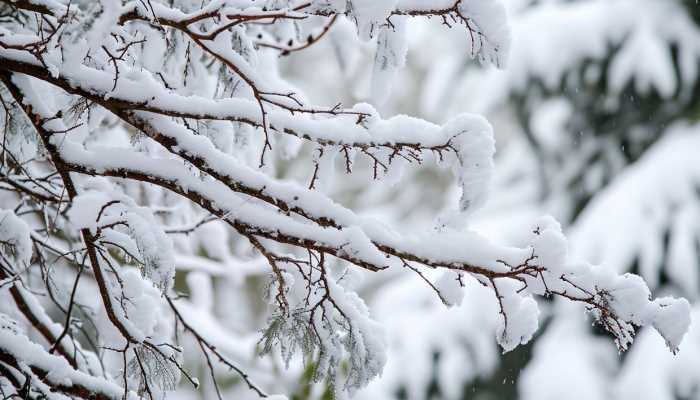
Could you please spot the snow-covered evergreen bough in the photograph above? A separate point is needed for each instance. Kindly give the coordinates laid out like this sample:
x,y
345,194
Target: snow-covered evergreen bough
x,y
128,125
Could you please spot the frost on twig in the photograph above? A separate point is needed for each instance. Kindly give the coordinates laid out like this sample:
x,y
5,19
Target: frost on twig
x,y
330,327
152,371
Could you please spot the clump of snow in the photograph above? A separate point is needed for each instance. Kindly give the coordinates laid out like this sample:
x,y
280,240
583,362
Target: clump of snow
x,y
672,320
492,42
450,288
155,247
143,301
15,240
85,209
472,137
100,204
520,315
369,14
390,56
620,303
361,345
549,244
56,370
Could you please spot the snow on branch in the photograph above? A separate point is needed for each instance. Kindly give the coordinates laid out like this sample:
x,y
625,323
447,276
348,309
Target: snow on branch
x,y
127,106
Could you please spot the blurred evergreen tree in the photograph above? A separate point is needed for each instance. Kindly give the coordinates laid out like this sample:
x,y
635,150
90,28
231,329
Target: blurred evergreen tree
x,y
608,128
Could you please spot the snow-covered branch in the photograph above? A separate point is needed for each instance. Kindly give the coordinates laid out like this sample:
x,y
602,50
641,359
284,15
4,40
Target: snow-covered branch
x,y
110,97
